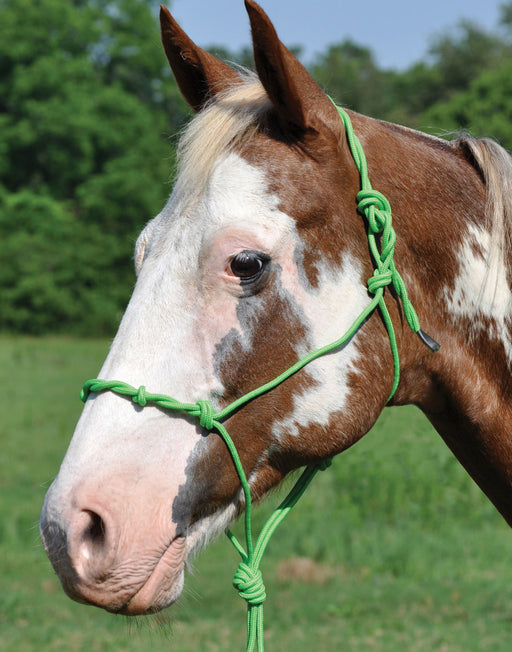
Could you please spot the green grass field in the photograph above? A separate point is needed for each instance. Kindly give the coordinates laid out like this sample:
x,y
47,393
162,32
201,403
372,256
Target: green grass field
x,y
393,548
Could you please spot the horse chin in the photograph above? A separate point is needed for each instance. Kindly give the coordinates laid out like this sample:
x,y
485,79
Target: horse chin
x,y
163,586
165,582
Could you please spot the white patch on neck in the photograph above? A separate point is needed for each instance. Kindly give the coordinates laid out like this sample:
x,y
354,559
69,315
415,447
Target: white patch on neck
x,y
331,308
482,293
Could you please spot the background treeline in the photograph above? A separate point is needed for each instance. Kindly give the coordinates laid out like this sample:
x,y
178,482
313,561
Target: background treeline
x,y
88,115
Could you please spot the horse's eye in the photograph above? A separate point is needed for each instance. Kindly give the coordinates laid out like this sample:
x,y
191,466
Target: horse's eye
x,y
248,265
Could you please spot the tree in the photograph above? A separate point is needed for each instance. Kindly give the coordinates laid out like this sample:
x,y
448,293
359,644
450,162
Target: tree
x,y
461,55
455,59
50,272
348,72
84,147
484,109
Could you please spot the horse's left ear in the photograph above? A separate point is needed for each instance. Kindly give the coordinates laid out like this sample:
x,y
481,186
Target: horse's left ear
x,y
199,74
292,90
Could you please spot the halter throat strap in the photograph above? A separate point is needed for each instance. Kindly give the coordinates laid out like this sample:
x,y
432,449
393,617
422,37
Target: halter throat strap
x,y
375,207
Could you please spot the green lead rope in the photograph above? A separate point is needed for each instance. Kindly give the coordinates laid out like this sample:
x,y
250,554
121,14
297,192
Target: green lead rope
x,y
248,579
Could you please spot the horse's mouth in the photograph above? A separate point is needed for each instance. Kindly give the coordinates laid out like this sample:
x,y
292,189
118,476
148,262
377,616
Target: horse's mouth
x,y
164,584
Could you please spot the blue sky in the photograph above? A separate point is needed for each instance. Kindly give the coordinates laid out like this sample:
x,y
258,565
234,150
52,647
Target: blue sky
x,y
398,31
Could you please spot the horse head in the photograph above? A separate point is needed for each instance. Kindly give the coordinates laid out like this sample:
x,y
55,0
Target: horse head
x,y
259,256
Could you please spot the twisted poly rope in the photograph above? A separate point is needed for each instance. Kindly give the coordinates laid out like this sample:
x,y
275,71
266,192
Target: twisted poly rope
x,y
248,579
377,210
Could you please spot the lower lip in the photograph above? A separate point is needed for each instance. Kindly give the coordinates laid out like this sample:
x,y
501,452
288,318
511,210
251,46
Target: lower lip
x,y
164,585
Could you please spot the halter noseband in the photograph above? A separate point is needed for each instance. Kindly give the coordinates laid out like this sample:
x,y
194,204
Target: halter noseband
x,y
377,210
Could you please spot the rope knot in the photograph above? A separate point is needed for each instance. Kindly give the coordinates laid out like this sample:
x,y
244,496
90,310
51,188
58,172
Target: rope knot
x,y
380,279
206,414
323,466
373,199
140,396
249,584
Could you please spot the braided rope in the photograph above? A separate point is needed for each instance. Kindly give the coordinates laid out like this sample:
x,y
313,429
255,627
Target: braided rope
x,y
248,579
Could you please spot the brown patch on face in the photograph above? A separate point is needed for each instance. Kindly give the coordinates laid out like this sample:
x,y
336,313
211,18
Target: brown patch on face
x,y
272,329
329,227
317,189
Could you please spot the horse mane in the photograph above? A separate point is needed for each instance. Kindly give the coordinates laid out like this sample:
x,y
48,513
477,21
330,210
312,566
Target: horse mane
x,y
232,117
494,164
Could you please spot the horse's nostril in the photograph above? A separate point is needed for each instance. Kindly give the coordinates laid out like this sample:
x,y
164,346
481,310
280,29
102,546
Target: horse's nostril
x,y
90,543
96,530
94,533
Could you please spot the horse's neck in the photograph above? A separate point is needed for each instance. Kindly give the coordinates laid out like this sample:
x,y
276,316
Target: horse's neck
x,y
475,370
465,388
472,415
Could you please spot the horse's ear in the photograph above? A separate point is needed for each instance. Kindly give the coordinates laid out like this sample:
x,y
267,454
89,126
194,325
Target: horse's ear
x,y
290,87
199,74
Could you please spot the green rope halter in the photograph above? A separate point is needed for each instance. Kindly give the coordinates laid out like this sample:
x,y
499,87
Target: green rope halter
x,y
248,579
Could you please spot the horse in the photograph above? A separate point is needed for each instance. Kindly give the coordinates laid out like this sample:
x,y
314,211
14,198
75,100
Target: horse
x,y
260,256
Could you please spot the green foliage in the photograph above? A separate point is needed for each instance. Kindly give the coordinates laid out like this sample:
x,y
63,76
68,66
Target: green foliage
x,y
456,59
85,158
36,263
484,109
57,272
353,78
461,55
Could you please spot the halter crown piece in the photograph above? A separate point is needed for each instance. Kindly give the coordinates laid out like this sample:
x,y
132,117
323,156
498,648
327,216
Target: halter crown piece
x,y
248,579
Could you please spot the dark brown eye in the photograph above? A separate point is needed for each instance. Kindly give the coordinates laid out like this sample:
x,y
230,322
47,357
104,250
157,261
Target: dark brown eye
x,y
248,265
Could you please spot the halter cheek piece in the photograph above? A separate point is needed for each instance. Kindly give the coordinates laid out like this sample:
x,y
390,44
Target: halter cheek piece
x,y
377,210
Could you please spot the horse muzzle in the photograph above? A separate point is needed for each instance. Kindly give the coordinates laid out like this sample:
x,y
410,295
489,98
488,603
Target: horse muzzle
x,y
114,554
